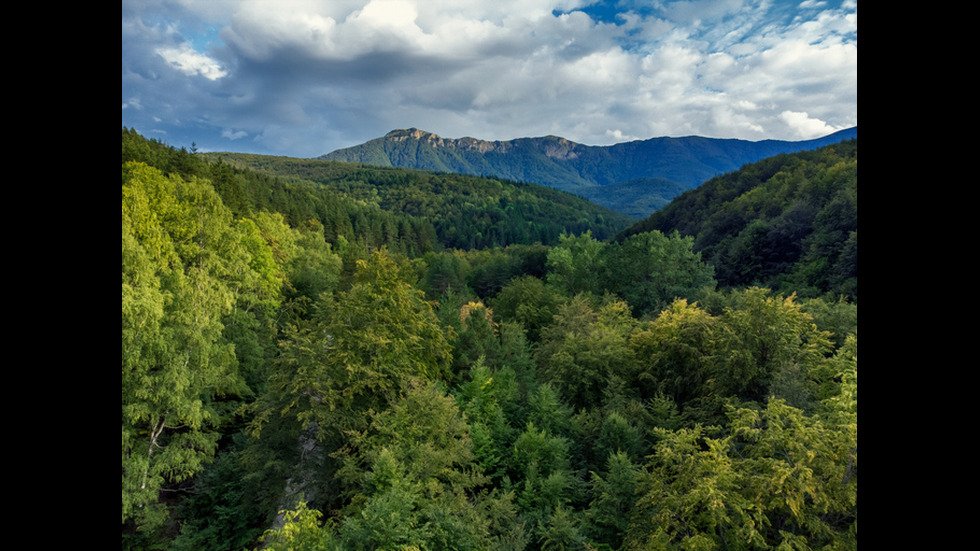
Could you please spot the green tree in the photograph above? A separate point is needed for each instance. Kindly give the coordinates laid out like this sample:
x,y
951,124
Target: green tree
x,y
444,271
649,270
543,467
561,531
837,316
770,339
357,353
573,264
613,496
476,337
584,348
314,268
182,259
528,301
674,352
484,400
301,531
548,410
412,477
775,478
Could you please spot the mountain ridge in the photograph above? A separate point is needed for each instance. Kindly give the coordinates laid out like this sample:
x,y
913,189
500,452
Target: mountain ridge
x,y
563,164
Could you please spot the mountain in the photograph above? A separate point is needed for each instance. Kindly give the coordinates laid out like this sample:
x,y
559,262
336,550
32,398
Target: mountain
x,y
644,174
787,222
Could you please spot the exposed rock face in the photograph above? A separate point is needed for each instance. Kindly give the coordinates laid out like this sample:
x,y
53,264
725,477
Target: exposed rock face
x,y
560,148
434,140
553,146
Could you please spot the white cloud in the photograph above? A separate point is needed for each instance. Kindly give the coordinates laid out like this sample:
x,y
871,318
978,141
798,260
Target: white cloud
x,y
319,75
618,136
810,4
233,134
190,62
806,127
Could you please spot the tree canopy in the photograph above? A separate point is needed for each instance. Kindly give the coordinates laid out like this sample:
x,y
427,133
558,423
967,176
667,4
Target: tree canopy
x,y
311,359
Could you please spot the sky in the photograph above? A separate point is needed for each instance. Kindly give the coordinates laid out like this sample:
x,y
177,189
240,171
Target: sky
x,y
302,78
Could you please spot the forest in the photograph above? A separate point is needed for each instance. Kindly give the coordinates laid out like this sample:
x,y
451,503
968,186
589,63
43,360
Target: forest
x,y
326,355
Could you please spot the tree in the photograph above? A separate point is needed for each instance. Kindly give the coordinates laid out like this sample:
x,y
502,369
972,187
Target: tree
x,y
561,531
445,271
770,339
476,337
412,477
774,478
528,301
182,258
314,268
674,352
542,464
300,531
483,399
357,353
573,264
584,348
649,270
613,496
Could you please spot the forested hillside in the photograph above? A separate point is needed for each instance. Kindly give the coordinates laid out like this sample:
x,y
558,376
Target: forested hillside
x,y
312,360
788,222
465,212
633,178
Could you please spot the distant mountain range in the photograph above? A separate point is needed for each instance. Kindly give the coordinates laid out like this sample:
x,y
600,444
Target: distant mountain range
x,y
634,178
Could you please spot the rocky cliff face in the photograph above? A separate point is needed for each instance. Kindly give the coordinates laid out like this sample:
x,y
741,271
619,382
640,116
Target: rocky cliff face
x,y
434,140
552,146
560,148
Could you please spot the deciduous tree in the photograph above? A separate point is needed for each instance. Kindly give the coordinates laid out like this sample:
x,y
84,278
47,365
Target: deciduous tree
x,y
182,261
649,270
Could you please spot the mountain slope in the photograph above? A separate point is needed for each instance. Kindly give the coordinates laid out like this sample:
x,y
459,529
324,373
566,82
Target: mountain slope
x,y
787,222
562,164
465,211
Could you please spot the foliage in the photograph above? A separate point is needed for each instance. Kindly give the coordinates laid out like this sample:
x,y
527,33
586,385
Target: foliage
x,y
291,345
186,268
356,354
528,301
765,338
788,222
574,264
649,270
614,494
776,479
465,212
583,348
674,352
300,532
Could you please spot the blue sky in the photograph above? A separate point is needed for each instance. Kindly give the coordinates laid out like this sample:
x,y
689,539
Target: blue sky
x,y
305,77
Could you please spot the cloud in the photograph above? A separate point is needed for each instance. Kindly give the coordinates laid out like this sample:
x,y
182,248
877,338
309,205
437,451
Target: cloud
x,y
805,126
233,134
192,63
304,77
